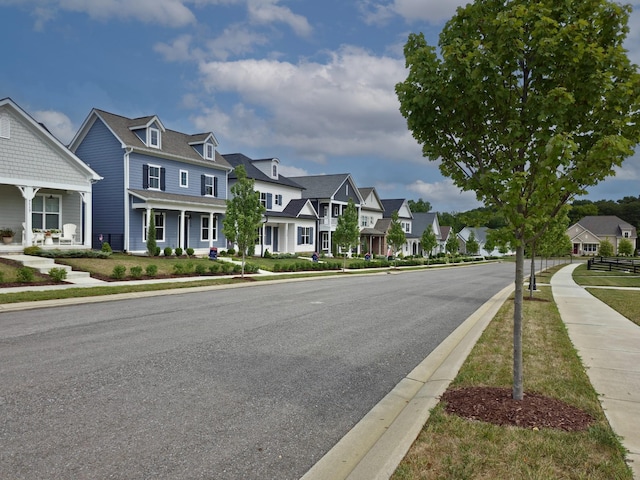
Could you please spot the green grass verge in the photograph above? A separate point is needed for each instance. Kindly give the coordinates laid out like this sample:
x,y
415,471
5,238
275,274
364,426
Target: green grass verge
x,y
583,276
450,447
627,303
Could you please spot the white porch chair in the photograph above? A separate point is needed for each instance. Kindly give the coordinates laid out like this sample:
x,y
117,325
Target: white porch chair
x,y
38,238
68,234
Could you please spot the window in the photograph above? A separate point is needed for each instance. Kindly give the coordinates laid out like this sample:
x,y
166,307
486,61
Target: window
x,y
346,189
325,241
208,151
304,235
154,177
184,178
45,212
278,199
590,247
626,234
209,186
263,199
204,228
336,211
5,126
274,171
364,221
154,137
406,227
159,219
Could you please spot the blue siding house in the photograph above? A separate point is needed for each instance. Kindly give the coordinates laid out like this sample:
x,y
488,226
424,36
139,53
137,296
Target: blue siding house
x,y
147,168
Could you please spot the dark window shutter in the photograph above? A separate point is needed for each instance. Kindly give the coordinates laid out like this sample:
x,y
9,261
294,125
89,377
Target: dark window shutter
x,y
203,189
163,182
145,176
269,201
268,240
299,235
215,186
311,237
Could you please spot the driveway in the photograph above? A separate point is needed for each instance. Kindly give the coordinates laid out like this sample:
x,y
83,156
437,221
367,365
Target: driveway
x,y
244,383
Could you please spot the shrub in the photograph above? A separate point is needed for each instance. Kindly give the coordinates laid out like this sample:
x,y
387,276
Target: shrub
x,y
188,267
152,270
231,252
119,272
178,268
251,268
237,268
190,251
58,274
25,275
267,254
34,250
227,267
157,252
167,251
135,271
214,268
201,269
106,247
178,251
1,277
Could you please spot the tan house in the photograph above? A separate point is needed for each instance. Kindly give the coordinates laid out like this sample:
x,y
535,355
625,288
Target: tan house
x,y
587,233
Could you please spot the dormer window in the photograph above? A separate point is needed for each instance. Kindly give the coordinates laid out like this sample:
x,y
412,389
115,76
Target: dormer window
x,y
208,151
154,137
274,171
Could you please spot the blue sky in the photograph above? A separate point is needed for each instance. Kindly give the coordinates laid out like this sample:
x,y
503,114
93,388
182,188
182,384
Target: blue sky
x,y
308,82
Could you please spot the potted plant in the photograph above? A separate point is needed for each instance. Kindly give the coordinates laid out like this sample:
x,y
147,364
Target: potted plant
x,y
7,235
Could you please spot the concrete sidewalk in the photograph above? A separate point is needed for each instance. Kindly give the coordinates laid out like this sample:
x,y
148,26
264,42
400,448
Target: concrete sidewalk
x,y
609,346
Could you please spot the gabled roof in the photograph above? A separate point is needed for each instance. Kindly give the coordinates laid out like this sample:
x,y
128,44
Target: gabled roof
x,y
445,231
421,221
175,145
395,205
382,225
365,193
324,186
295,209
235,159
52,141
480,234
603,225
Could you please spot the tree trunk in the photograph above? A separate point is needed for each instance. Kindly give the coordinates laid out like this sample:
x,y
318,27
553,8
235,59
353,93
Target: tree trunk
x,y
517,325
242,275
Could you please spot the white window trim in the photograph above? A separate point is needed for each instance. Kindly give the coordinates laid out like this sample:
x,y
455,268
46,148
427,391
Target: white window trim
x,y
150,131
305,235
159,177
5,126
44,212
164,226
206,185
209,155
186,172
202,229
278,199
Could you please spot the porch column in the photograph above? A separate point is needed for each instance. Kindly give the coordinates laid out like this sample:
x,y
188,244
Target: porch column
x,y
87,228
181,239
212,218
28,193
286,238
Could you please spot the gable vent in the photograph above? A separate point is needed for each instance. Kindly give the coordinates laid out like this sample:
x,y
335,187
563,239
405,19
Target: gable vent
x,y
5,126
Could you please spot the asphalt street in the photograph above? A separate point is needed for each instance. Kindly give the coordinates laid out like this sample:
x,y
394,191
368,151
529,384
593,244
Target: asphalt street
x,y
245,383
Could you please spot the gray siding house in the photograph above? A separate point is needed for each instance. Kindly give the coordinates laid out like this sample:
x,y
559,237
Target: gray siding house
x,y
146,167
43,185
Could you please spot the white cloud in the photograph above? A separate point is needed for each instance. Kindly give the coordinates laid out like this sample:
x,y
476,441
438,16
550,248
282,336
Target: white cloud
x,y
445,196
177,51
346,106
57,123
268,12
235,40
431,11
291,171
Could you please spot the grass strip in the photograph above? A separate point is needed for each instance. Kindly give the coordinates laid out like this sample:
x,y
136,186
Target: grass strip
x,y
450,447
625,302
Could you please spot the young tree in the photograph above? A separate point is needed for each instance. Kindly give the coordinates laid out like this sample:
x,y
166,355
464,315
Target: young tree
x,y
395,235
428,240
151,235
472,244
452,246
605,249
625,247
244,214
527,104
347,231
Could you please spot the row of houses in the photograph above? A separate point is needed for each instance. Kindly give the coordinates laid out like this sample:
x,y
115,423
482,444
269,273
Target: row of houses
x,y
117,171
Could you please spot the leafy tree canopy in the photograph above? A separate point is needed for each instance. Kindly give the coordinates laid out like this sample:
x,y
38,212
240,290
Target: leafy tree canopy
x,y
419,205
347,230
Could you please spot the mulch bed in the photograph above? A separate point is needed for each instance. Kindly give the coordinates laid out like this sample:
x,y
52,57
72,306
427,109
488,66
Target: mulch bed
x,y
495,405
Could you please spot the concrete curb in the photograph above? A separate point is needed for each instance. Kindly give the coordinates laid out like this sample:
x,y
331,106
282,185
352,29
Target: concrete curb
x,y
376,445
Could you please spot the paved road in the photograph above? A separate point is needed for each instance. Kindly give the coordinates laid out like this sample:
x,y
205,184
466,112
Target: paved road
x,y
249,383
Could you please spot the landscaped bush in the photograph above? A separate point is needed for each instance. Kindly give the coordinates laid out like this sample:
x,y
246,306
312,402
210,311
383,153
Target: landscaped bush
x,y
227,267
135,271
106,247
119,272
231,252
156,252
58,274
151,270
237,268
33,250
190,251
214,268
188,267
1,277
251,268
71,253
167,251
178,268
201,269
25,275
178,251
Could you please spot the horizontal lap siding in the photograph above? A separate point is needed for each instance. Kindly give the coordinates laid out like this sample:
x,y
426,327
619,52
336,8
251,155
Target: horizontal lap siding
x,y
104,154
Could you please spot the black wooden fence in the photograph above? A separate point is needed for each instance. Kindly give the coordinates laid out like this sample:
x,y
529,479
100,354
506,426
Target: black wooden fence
x,y
610,264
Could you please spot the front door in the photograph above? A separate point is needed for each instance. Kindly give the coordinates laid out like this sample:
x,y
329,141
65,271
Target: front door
x,y
275,240
185,234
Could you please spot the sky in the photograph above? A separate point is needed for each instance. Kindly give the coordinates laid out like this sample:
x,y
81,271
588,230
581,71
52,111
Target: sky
x,y
310,82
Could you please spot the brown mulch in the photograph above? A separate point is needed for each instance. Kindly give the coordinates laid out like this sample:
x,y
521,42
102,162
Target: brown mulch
x,y
495,405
